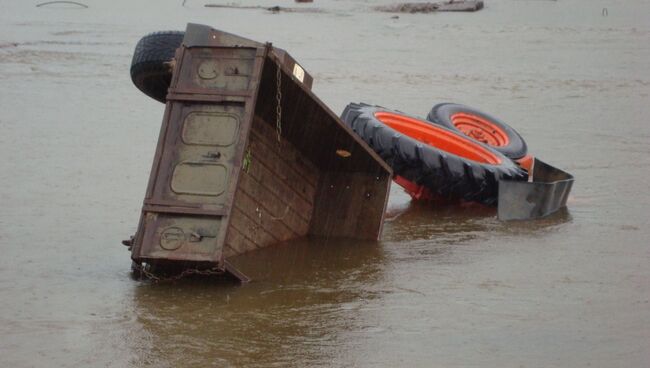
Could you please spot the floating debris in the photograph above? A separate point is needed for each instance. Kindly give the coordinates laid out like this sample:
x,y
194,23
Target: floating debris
x,y
449,6
273,9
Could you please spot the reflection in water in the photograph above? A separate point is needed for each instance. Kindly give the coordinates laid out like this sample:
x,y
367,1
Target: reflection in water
x,y
453,224
447,224
309,297
438,235
538,227
290,315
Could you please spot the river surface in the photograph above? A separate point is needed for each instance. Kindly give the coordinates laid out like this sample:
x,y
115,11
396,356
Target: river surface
x,y
445,287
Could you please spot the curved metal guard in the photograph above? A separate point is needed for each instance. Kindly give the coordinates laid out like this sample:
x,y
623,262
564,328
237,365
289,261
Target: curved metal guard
x,y
544,195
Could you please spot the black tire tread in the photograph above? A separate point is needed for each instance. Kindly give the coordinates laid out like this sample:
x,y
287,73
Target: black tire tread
x,y
444,173
149,69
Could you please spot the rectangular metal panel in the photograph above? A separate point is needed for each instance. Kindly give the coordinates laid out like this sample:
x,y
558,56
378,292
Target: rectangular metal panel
x,y
217,70
210,128
196,165
172,236
198,178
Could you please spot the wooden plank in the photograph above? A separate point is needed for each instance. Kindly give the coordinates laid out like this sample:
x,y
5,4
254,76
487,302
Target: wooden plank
x,y
301,182
275,194
287,191
296,160
311,127
348,205
237,243
277,207
282,173
251,228
280,168
228,251
272,216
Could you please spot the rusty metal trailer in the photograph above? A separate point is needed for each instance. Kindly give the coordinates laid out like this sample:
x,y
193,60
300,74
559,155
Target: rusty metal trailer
x,y
248,157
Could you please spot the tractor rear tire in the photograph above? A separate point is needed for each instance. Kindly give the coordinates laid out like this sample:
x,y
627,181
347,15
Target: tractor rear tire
x,y
444,161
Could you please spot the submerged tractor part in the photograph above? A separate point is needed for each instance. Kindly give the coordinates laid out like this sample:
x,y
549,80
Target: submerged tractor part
x,y
248,157
441,164
449,165
480,127
545,193
547,188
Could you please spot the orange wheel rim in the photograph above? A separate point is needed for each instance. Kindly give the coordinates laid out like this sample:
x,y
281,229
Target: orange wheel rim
x,y
526,162
438,137
480,129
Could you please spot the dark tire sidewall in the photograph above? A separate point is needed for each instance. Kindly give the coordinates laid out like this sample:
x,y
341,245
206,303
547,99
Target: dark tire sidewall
x,y
443,172
149,70
441,115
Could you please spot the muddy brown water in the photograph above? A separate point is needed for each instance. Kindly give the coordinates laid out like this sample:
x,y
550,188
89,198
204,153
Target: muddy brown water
x,y
446,287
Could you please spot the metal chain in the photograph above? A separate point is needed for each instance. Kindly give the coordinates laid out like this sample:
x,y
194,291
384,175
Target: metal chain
x,y
190,271
278,124
278,109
